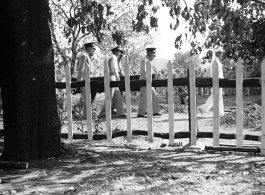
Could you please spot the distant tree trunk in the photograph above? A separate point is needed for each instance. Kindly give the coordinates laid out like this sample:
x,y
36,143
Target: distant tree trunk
x,y
31,122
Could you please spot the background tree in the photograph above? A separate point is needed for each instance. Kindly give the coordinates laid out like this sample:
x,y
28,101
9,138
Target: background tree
x,y
107,22
73,22
32,126
237,25
183,60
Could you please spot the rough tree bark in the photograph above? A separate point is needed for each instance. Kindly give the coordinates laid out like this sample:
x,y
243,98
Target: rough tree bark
x,y
31,121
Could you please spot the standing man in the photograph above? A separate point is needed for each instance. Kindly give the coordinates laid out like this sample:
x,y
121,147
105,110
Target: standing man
x,y
115,93
209,102
143,96
113,111
85,60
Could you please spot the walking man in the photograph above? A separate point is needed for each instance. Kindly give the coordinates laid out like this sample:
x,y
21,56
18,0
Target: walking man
x,y
143,96
85,60
115,93
209,102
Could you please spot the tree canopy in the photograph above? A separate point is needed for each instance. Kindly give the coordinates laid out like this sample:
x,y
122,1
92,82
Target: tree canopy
x,y
236,25
107,22
182,60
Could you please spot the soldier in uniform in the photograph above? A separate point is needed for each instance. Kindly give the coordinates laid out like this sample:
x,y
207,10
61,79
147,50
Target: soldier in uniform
x,y
85,60
115,93
143,97
209,102
113,110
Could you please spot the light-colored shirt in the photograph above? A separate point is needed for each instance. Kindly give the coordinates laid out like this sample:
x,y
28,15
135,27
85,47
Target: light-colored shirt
x,y
143,69
184,74
220,69
177,75
84,61
113,66
161,76
199,74
205,74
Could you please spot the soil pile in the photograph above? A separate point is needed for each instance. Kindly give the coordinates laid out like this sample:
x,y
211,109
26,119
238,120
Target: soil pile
x,y
251,116
180,108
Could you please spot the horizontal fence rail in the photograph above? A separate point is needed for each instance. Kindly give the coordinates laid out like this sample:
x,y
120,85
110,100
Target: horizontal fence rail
x,y
176,135
98,85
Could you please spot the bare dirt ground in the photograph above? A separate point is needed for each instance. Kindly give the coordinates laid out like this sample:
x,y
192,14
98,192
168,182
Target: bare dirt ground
x,y
100,167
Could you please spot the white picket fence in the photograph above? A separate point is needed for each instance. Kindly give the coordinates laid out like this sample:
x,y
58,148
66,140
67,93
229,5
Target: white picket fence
x,y
192,99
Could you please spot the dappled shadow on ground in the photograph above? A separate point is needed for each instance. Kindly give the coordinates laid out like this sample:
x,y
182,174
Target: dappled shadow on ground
x,y
102,167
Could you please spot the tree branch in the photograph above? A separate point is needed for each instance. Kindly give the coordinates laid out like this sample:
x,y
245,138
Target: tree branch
x,y
78,32
61,10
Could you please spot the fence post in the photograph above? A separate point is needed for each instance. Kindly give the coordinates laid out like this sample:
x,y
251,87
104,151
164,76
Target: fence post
x,y
170,92
216,119
263,107
193,111
88,104
69,101
239,103
149,101
128,101
107,102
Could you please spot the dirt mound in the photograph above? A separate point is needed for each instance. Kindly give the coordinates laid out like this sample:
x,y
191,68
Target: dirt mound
x,y
180,108
251,116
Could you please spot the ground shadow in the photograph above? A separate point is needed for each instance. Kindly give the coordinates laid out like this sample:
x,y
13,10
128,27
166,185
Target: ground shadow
x,y
100,167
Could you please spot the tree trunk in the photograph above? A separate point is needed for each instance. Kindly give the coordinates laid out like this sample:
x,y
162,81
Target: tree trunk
x,y
27,80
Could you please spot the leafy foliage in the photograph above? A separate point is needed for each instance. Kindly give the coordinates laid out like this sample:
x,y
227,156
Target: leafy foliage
x,y
182,60
238,26
143,13
89,17
107,22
